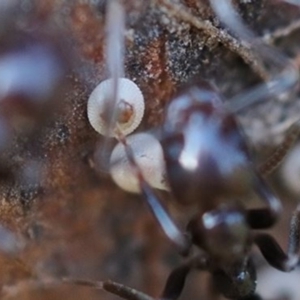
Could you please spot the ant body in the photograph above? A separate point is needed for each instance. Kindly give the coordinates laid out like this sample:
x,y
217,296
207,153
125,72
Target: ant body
x,y
208,163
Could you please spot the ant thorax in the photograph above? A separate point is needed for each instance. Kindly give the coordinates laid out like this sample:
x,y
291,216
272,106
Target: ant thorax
x,y
205,151
223,232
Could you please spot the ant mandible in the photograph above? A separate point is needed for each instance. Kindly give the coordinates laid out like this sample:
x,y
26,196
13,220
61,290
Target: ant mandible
x,y
208,163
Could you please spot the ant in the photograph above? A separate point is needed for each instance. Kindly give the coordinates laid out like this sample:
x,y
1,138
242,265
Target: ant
x,y
209,164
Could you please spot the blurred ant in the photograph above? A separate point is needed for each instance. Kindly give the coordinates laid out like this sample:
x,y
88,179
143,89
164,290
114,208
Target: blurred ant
x,y
208,163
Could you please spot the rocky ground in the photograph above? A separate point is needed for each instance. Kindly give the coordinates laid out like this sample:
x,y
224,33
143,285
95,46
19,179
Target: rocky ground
x,y
61,215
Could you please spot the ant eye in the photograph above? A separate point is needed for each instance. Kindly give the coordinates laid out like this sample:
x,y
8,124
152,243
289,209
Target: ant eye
x,y
148,155
128,111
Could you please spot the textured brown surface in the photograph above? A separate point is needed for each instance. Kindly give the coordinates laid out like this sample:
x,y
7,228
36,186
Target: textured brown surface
x,y
73,221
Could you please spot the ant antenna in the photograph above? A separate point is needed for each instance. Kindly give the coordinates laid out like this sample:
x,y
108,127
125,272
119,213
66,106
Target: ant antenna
x,y
114,26
116,102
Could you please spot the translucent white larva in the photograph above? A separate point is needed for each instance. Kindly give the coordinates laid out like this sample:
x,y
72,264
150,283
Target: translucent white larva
x,y
129,109
148,155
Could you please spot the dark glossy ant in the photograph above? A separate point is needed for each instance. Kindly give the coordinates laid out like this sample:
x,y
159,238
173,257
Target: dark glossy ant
x,y
208,164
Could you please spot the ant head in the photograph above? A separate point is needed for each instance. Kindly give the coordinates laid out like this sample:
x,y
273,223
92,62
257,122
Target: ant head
x,y
196,95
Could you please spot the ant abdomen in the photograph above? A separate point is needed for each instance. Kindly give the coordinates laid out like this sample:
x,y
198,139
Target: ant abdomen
x,y
204,149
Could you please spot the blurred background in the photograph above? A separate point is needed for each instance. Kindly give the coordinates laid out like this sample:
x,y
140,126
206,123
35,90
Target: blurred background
x,y
61,215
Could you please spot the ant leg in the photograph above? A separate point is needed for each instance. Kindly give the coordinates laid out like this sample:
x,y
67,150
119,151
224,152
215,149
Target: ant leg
x,y
281,151
273,253
176,280
181,240
114,50
286,72
116,101
115,27
112,287
176,236
252,297
172,290
262,218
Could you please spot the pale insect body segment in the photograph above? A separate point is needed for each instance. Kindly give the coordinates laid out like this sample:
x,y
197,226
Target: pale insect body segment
x,y
148,155
129,109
